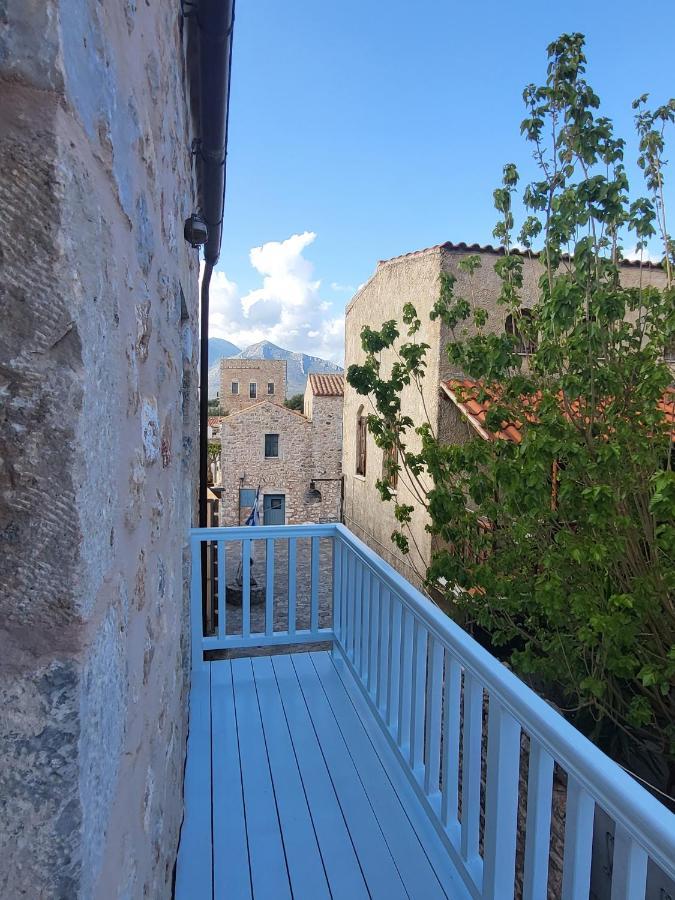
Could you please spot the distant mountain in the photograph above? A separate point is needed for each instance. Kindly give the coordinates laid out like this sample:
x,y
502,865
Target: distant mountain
x,y
219,348
298,365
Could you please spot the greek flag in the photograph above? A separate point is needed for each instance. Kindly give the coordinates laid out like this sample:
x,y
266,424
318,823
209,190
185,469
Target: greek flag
x,y
253,517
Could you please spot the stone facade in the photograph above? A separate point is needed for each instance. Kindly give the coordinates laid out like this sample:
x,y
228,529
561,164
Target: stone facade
x,y
415,278
98,440
307,472
268,376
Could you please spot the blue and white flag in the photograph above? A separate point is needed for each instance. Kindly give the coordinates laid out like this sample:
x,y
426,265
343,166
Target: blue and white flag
x,y
253,517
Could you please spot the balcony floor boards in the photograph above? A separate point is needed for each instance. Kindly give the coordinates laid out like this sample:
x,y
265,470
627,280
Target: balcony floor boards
x,y
292,791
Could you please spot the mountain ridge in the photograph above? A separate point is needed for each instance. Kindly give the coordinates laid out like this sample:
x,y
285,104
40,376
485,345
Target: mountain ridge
x,y
298,365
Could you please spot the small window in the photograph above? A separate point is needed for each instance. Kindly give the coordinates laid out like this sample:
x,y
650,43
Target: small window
x,y
246,497
271,446
270,387
253,390
235,387
524,343
361,433
669,351
275,503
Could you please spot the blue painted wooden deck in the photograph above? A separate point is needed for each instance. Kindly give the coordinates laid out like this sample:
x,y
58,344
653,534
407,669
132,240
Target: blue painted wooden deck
x,y
299,793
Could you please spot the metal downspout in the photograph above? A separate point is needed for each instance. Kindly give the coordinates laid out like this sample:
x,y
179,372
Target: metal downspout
x,y
204,395
215,19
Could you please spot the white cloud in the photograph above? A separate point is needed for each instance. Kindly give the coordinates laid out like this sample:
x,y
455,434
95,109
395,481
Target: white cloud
x,y
287,309
633,255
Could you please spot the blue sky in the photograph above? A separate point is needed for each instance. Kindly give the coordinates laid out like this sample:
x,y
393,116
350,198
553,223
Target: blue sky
x,y
368,129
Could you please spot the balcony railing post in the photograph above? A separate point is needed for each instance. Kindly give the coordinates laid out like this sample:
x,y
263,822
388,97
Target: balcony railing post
x,y
501,801
246,588
196,608
392,652
452,695
419,690
538,823
315,551
471,766
269,586
432,730
374,644
386,642
336,614
629,867
292,583
578,852
222,588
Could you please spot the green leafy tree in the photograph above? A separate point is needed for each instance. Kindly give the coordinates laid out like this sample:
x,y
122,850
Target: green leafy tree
x,y
297,402
561,546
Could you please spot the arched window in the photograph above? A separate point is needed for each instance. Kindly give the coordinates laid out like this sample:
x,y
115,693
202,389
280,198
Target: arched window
x,y
361,434
524,344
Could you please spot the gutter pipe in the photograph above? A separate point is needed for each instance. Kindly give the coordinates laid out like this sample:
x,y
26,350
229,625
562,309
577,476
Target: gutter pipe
x,y
215,21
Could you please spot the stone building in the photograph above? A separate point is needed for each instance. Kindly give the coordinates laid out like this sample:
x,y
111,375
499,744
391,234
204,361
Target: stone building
x,y
98,443
294,458
414,277
244,382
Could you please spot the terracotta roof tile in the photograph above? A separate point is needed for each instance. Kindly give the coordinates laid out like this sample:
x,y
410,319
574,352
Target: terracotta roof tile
x,y
327,385
667,407
497,251
464,394
215,421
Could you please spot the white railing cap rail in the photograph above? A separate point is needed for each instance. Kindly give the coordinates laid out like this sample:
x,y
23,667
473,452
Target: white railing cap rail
x,y
256,532
649,822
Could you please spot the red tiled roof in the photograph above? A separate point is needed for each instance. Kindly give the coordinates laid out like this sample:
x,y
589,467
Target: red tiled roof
x,y
497,251
464,394
215,421
327,385
667,407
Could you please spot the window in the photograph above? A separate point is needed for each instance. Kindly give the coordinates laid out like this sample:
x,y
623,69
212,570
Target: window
x,y
270,387
246,497
524,343
669,351
235,387
253,390
361,433
389,467
271,446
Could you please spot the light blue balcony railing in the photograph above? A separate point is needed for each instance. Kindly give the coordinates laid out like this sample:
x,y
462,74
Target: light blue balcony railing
x,y
461,727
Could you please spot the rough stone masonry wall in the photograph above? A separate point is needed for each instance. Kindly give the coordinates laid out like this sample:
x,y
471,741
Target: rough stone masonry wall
x,y
486,286
243,453
244,371
98,433
411,279
326,449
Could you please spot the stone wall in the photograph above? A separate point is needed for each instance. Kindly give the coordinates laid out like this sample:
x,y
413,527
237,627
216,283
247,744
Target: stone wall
x,y
407,279
487,285
262,372
98,439
307,450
